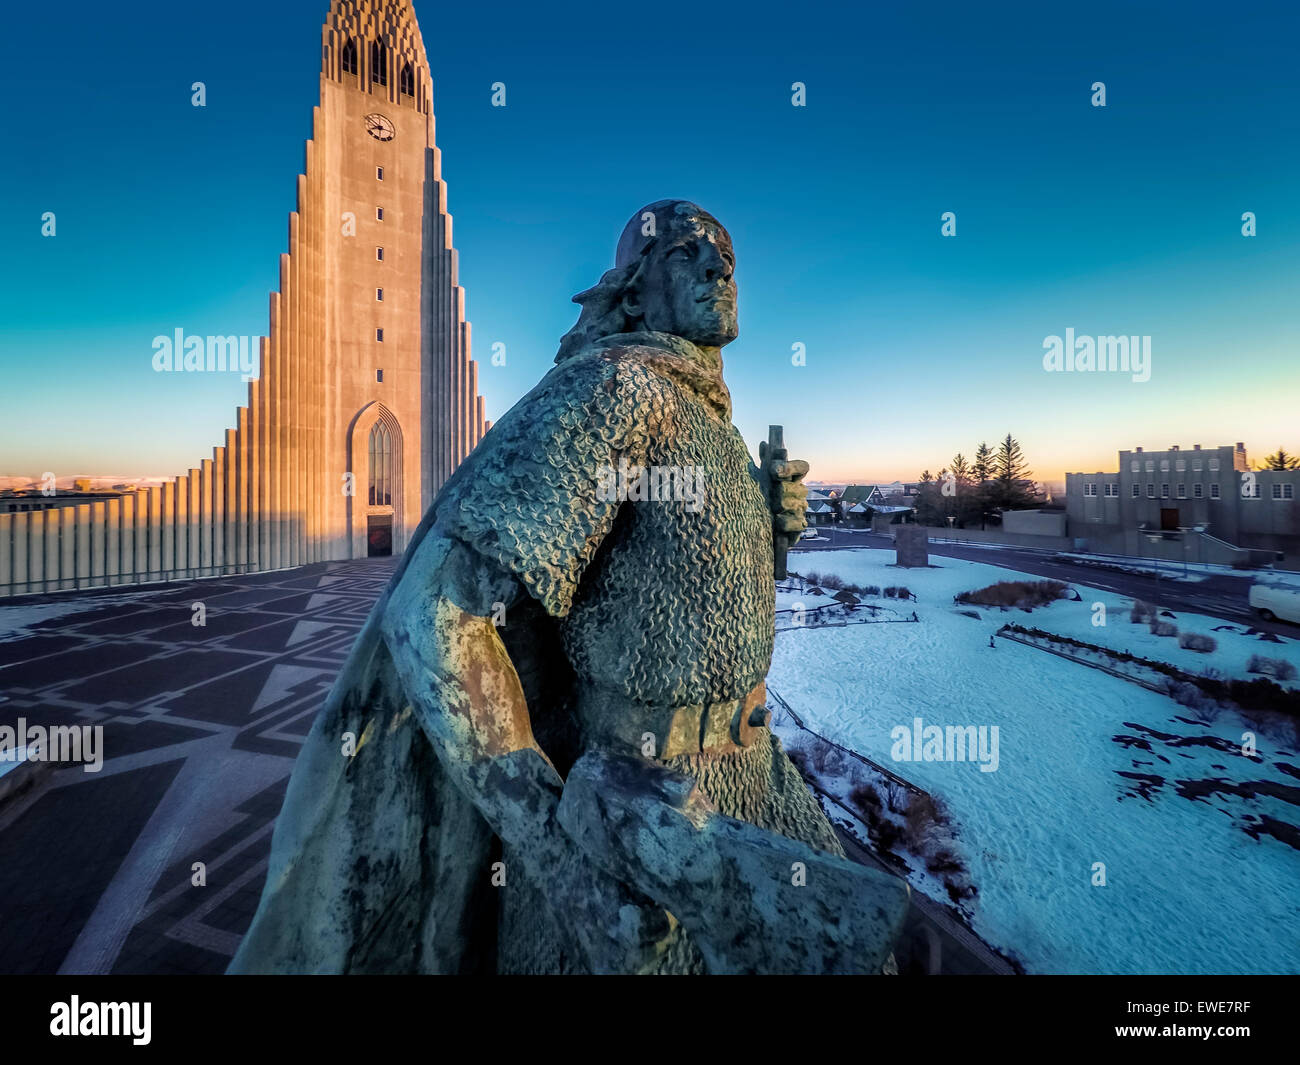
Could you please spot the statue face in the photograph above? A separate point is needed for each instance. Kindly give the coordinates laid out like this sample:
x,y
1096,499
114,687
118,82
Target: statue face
x,y
688,286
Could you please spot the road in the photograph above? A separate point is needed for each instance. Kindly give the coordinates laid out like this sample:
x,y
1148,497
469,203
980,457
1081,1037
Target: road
x,y
1218,595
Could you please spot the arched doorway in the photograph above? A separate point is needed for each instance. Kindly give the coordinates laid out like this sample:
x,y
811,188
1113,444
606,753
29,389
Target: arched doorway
x,y
375,520
379,492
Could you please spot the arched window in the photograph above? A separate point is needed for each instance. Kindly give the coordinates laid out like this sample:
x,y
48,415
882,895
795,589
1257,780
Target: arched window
x,y
350,57
381,466
378,63
406,83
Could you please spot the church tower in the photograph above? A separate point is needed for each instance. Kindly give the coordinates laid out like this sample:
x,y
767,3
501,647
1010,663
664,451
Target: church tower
x,y
367,398
396,390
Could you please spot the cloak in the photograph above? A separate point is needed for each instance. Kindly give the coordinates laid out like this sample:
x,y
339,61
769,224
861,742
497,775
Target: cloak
x,y
378,862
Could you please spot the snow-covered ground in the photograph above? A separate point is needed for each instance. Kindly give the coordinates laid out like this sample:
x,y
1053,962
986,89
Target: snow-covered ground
x,y
1187,889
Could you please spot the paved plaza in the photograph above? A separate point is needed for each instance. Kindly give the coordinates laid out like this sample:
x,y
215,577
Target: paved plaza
x,y
201,729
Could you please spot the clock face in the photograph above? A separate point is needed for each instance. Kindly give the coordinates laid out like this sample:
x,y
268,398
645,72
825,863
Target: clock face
x,y
379,127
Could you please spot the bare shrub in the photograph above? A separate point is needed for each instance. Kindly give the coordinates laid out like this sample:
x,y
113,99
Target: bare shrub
x,y
1142,612
829,580
819,755
1163,628
944,861
1190,696
884,833
1277,668
1023,594
1196,641
866,799
871,589
921,817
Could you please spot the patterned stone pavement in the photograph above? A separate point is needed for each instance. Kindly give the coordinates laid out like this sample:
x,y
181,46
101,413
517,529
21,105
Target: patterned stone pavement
x,y
201,729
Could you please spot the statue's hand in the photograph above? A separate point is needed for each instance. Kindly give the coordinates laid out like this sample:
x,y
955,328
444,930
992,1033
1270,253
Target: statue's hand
x,y
789,496
615,929
618,929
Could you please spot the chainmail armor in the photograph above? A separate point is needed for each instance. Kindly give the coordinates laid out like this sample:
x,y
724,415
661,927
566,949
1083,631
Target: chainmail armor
x,y
664,606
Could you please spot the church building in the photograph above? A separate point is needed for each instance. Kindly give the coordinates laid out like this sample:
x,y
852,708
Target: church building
x,y
367,397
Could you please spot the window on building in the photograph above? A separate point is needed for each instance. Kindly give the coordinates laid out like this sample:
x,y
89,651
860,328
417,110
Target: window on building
x,y
379,376
379,254
1164,465
1198,490
1182,491
1180,465
379,173
381,466
1134,466
1196,465
1112,489
1151,491
350,57
1137,490
379,214
1214,465
1164,491
379,335
1089,488
378,62
1151,465
1214,491
379,295
1288,491
406,80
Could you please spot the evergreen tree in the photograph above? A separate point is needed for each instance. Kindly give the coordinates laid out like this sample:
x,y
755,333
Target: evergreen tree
x,y
961,506
981,473
929,501
1009,471
1281,460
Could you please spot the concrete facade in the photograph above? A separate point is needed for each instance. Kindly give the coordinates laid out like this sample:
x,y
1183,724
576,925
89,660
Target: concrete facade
x,y
1211,493
367,353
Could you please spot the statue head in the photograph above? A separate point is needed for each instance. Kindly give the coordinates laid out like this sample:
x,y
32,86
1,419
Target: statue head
x,y
673,273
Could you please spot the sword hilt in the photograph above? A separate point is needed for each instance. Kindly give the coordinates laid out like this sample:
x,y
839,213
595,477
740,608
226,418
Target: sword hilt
x,y
775,452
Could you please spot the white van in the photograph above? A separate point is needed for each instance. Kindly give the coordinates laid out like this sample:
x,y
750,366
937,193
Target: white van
x,y
1276,602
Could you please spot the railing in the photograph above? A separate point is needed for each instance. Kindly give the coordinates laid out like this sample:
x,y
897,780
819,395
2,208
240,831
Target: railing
x,y
134,578
876,766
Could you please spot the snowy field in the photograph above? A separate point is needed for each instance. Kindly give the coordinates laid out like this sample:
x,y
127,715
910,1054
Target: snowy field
x,y
1188,889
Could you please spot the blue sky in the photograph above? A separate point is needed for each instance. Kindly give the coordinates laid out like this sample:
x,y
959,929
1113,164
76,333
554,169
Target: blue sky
x,y
1124,219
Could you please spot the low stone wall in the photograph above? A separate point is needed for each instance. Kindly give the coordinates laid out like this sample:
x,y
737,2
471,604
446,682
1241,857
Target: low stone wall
x,y
999,536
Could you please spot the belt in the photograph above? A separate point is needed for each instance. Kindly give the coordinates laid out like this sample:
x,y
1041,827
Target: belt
x,y
610,719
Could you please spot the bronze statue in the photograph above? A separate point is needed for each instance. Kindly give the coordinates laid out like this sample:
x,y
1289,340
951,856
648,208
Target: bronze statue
x,y
548,751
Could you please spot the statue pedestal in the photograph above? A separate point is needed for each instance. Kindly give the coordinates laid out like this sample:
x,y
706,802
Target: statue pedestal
x,y
913,545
